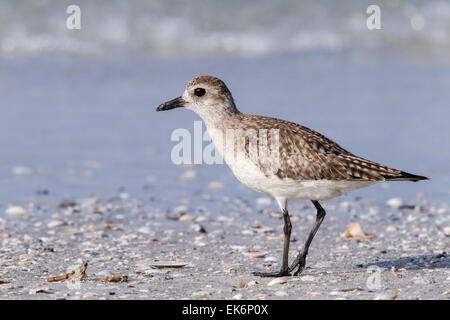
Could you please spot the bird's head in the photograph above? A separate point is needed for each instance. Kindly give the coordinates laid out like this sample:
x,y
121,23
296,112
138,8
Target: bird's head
x,y
205,95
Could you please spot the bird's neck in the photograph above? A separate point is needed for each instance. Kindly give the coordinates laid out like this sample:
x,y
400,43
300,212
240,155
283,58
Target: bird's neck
x,y
220,118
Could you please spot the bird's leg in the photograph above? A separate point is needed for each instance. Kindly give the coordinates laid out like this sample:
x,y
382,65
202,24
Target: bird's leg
x,y
285,262
300,261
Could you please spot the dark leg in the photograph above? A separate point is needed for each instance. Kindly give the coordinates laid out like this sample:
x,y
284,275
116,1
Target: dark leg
x,y
285,263
300,261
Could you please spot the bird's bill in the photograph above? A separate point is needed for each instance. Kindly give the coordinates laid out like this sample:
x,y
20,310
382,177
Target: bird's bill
x,y
172,104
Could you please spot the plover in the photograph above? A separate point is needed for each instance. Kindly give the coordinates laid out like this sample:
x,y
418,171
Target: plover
x,y
305,166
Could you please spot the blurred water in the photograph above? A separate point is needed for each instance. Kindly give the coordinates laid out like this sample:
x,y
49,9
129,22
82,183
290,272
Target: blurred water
x,y
88,125
178,27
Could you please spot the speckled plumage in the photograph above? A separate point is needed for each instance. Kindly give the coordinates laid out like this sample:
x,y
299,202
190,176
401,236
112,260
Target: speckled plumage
x,y
305,164
304,153
308,155
279,158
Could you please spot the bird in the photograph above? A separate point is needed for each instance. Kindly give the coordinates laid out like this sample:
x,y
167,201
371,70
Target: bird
x,y
279,158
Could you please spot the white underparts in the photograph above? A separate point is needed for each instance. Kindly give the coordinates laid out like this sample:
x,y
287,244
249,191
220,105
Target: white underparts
x,y
252,177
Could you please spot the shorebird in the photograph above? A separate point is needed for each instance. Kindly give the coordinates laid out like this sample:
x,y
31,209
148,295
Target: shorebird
x,y
305,166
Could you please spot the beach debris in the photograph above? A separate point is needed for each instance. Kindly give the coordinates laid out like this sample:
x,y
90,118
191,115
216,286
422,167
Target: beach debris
x,y
237,296
4,282
198,241
215,185
145,230
355,232
251,284
75,275
395,295
25,260
224,219
116,278
394,202
201,219
167,264
447,231
391,229
197,228
237,247
276,215
254,253
88,202
275,238
241,283
411,207
15,211
102,227
280,293
40,290
351,289
186,217
178,212
270,259
90,294
276,281
4,235
201,293
67,204
56,223
261,229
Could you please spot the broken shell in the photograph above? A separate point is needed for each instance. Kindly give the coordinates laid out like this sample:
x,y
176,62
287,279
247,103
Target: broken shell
x,y
394,202
254,254
281,280
161,265
15,211
355,232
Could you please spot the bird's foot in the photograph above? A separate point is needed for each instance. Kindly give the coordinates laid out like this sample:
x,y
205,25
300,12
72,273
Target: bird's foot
x,y
299,271
299,263
280,273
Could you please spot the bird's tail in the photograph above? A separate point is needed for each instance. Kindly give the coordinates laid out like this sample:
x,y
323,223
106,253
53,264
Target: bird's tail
x,y
404,176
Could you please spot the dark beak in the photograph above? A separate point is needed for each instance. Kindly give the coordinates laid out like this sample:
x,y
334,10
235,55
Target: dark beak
x,y
172,104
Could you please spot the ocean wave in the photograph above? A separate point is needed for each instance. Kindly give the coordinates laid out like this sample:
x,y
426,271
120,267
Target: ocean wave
x,y
173,28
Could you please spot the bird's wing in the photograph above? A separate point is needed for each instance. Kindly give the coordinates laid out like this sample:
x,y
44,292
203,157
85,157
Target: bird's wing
x,y
305,154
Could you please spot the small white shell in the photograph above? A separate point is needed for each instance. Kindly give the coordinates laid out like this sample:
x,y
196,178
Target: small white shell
x,y
281,280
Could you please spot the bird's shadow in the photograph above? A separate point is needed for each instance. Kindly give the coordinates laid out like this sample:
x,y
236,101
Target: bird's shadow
x,y
428,261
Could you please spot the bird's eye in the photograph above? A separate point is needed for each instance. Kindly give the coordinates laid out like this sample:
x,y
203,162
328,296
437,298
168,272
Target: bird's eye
x,y
199,92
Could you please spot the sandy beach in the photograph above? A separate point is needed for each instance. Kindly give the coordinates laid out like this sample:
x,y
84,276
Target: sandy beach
x,y
194,252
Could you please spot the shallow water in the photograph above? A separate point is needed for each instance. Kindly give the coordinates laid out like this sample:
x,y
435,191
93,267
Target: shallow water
x,y
85,125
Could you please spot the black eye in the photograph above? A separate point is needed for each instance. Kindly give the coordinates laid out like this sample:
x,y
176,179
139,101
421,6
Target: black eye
x,y
199,92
